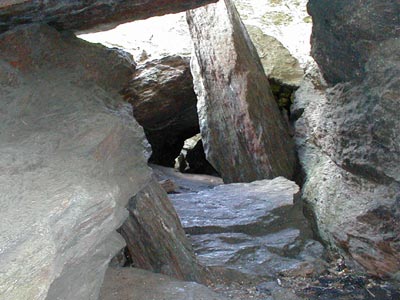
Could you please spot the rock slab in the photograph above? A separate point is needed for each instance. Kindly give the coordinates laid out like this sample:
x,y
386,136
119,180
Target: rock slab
x,y
71,156
81,15
244,135
253,228
155,237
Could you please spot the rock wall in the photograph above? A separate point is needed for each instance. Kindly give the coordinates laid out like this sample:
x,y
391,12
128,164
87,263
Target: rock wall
x,y
243,133
81,15
71,156
348,134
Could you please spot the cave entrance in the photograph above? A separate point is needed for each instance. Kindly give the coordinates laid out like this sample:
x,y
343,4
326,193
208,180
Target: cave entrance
x,y
245,234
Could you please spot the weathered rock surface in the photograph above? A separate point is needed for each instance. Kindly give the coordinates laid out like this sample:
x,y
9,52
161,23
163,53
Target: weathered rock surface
x,y
345,33
164,103
253,227
243,132
70,159
79,15
155,237
136,284
348,135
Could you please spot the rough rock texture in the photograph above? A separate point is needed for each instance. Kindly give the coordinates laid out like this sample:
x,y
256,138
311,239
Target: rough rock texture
x,y
70,159
348,135
155,238
136,284
243,132
253,228
345,33
79,15
164,103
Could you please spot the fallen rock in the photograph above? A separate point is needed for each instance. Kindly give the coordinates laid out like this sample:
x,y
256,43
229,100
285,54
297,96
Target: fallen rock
x,y
71,157
253,227
80,15
155,238
136,284
244,135
164,103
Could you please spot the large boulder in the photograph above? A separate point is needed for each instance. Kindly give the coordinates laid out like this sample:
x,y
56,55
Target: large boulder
x,y
71,156
164,103
243,132
155,237
348,136
346,32
80,14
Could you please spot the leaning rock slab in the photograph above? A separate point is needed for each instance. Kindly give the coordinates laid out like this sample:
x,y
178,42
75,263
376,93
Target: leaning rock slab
x,y
155,237
164,103
80,15
70,159
244,136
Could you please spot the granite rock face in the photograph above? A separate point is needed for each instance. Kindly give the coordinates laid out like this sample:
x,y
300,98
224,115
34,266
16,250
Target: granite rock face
x,y
345,33
155,237
348,136
70,159
164,103
81,15
243,132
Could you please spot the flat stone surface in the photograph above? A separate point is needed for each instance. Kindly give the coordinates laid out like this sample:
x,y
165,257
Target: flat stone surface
x,y
136,284
234,204
253,228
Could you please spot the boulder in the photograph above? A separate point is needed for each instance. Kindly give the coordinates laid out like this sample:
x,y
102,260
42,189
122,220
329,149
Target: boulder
x,y
71,156
346,32
155,238
136,284
348,139
164,103
81,15
244,135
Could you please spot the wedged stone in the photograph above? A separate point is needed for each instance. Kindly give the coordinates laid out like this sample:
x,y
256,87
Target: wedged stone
x,y
244,136
350,150
136,284
253,227
70,159
346,32
155,237
79,14
164,103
